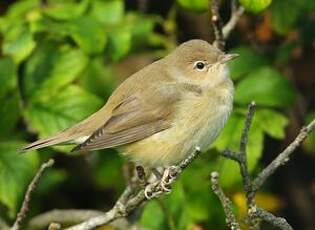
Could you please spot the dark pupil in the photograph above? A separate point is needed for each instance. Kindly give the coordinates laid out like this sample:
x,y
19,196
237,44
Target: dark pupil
x,y
200,65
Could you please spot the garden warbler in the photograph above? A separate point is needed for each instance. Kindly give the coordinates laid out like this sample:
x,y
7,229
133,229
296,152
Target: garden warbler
x,y
157,116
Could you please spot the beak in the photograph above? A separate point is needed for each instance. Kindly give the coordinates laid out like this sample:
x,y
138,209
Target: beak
x,y
228,57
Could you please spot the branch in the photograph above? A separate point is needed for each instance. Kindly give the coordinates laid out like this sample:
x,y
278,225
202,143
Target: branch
x,y
67,217
226,203
217,24
283,157
31,188
222,32
130,200
270,218
241,157
251,187
236,13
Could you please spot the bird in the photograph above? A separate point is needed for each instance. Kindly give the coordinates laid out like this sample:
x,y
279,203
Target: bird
x,y
158,115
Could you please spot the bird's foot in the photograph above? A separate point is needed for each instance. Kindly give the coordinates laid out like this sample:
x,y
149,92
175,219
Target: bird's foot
x,y
151,190
163,185
168,177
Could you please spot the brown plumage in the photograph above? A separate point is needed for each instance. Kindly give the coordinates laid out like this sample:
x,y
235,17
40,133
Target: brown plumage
x,y
158,108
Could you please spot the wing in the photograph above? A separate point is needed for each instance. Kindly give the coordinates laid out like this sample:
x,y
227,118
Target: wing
x,y
135,118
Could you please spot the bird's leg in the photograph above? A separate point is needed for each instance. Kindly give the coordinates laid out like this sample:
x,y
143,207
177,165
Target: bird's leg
x,y
157,173
141,175
151,189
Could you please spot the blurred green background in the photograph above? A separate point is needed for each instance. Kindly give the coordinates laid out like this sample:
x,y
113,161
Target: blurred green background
x,y
60,60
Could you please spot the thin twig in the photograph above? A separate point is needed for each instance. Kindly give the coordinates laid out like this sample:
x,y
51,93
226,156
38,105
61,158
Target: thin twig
x,y
251,187
279,222
67,217
217,24
129,201
225,201
283,157
31,188
236,13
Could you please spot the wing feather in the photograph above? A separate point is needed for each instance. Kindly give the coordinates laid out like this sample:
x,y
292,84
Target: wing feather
x,y
134,119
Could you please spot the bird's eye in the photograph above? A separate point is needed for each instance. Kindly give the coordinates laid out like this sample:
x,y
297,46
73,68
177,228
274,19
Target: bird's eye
x,y
200,65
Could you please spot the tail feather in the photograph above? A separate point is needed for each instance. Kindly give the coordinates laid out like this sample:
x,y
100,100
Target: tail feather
x,y
53,140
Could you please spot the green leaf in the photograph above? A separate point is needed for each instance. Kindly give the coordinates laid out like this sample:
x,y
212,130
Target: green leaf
x,y
195,5
272,122
108,12
152,216
16,171
20,47
282,21
50,181
309,143
255,6
119,44
46,74
66,10
69,106
88,33
108,161
8,76
98,78
267,87
247,62
10,114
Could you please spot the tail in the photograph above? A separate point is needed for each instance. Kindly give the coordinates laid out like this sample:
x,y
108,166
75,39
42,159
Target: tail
x,y
49,141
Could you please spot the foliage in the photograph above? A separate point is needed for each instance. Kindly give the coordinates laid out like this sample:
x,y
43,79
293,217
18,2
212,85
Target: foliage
x,y
58,65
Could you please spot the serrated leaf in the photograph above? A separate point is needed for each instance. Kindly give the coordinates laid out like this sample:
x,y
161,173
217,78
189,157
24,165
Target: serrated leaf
x,y
66,10
108,12
16,171
255,6
46,74
88,33
272,122
195,5
69,106
247,62
266,86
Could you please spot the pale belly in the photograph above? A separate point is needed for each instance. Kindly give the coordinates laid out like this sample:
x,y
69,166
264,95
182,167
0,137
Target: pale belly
x,y
198,125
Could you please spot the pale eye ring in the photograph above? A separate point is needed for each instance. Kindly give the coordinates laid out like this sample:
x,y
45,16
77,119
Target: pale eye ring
x,y
200,65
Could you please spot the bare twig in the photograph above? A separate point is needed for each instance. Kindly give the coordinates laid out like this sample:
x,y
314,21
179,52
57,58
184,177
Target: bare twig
x,y
241,157
217,24
236,13
222,32
27,198
67,217
283,157
225,201
270,218
130,200
255,213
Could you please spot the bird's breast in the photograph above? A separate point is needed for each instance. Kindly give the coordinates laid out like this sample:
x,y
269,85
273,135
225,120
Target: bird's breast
x,y
197,122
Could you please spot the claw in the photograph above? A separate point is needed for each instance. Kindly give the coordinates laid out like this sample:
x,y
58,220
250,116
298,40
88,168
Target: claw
x,y
149,191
